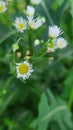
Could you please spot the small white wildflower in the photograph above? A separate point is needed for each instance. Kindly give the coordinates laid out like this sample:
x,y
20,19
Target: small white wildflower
x,y
54,31
30,11
36,42
35,2
51,47
61,43
20,24
24,70
35,23
3,7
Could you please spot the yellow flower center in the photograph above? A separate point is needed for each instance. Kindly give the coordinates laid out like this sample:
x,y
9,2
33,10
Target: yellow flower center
x,y
51,45
1,7
23,68
60,44
21,26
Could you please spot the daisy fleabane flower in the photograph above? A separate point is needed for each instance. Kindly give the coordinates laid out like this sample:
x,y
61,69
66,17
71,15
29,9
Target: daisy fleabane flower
x,y
35,2
51,46
61,43
30,11
3,7
24,70
54,31
35,23
20,24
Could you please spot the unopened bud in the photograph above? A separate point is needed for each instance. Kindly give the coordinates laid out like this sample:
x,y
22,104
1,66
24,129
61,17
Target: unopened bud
x,y
43,19
15,47
36,42
51,58
19,54
27,57
27,53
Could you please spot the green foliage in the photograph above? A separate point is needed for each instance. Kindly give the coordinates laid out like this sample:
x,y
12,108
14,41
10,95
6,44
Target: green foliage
x,y
56,4
45,100
53,109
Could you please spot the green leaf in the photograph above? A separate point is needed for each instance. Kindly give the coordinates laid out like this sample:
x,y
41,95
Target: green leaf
x,y
42,112
71,11
56,4
56,109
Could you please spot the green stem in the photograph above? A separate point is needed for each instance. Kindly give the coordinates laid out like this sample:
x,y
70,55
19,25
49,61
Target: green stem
x,y
30,88
54,111
7,36
7,84
70,99
47,12
14,59
6,102
30,42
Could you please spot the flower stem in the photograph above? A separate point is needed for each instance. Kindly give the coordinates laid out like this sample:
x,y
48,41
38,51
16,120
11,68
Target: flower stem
x,y
47,12
70,99
30,42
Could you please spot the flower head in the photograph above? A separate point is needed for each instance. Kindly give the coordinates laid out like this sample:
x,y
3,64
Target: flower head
x,y
54,31
20,24
30,11
35,23
24,70
2,6
61,43
35,2
51,47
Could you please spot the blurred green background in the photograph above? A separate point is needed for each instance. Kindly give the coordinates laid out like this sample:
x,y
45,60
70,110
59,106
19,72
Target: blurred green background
x,y
45,100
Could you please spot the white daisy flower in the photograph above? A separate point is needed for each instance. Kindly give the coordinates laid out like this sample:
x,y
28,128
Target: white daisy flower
x,y
51,47
54,31
20,24
24,70
30,11
3,7
61,43
35,2
35,23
